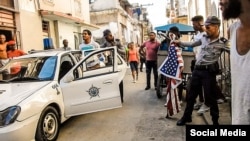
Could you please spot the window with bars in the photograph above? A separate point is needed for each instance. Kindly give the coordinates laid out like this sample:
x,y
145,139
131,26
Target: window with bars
x,y
7,19
45,25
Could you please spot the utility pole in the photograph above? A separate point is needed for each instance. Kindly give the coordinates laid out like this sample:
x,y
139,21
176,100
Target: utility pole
x,y
144,33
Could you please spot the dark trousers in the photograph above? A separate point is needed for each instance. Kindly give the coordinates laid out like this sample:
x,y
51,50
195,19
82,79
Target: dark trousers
x,y
142,61
149,66
219,92
200,92
208,81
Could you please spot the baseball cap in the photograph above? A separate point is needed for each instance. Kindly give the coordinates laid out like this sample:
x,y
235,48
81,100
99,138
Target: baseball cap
x,y
11,42
212,20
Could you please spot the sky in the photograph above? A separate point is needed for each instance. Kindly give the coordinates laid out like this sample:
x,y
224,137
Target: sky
x,y
156,12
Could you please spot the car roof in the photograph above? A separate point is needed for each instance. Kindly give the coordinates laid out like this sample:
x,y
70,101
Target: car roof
x,y
41,53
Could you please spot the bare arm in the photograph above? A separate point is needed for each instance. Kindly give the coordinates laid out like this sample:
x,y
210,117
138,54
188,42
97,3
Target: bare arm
x,y
190,44
187,44
138,56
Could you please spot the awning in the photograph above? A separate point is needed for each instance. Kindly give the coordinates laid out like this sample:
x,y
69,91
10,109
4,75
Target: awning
x,y
184,29
59,16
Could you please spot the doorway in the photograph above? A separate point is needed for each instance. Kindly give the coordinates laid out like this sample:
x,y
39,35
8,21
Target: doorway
x,y
7,33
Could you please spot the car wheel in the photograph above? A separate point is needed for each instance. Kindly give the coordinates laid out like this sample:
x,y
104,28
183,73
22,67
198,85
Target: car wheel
x,y
48,125
121,90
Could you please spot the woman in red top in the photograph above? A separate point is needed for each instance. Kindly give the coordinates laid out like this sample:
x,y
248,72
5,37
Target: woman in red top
x,y
133,60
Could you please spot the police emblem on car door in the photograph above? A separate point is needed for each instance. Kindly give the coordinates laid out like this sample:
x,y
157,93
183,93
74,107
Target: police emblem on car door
x,y
91,87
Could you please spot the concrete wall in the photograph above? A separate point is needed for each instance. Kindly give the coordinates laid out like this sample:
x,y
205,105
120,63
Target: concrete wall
x,y
77,8
29,25
109,11
68,32
196,7
64,6
29,22
203,7
100,5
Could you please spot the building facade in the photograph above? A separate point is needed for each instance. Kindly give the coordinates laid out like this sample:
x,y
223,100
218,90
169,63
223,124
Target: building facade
x,y
126,21
30,22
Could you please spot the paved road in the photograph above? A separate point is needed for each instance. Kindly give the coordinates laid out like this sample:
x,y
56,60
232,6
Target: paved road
x,y
142,118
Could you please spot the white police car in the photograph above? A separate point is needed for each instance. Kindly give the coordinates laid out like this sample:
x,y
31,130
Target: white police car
x,y
39,91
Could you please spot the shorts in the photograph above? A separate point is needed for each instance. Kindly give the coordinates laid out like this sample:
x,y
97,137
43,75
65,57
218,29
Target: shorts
x,y
133,65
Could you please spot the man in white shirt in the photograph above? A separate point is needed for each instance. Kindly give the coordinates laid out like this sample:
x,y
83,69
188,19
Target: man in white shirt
x,y
88,44
198,25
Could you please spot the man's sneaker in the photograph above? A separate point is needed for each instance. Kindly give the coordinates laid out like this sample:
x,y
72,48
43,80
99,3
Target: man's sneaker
x,y
197,105
220,101
134,81
147,88
204,108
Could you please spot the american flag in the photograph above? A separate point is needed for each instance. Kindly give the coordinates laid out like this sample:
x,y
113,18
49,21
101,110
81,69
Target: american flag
x,y
171,68
172,100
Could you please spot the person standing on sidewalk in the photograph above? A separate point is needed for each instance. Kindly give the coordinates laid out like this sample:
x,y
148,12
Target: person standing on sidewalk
x,y
205,70
239,57
198,25
65,45
133,60
151,46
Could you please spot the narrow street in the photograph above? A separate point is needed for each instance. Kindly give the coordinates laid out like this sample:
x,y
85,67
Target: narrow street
x,y
142,118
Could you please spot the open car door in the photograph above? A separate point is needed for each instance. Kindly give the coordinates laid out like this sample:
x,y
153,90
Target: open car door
x,y
92,85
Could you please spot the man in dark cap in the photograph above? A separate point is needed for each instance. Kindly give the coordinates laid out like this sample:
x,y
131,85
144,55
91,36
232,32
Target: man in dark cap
x,y
111,41
205,70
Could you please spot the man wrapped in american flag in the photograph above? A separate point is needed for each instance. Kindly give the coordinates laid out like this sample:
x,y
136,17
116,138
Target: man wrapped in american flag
x,y
172,68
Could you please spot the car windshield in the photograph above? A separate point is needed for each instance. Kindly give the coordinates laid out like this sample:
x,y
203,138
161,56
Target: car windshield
x,y
27,69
